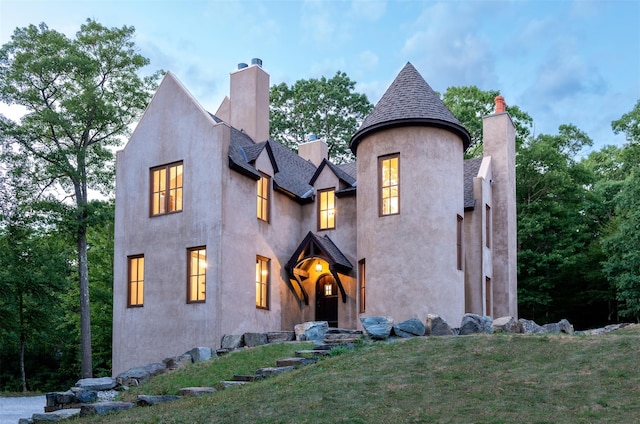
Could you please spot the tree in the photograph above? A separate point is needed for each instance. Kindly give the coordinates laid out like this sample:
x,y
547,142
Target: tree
x,y
555,232
81,96
470,105
629,124
327,108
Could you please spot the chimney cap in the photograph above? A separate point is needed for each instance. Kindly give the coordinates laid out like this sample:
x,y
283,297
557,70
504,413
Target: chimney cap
x,y
242,65
256,61
501,105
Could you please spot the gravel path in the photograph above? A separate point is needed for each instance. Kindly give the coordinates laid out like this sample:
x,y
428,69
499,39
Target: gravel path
x,y
14,408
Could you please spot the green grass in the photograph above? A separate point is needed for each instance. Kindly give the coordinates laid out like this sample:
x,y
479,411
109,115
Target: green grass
x,y
471,379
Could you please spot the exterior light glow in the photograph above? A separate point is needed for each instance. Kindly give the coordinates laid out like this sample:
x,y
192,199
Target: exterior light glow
x,y
318,267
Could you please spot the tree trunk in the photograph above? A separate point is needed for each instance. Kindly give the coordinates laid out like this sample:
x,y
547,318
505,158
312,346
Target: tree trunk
x,y
85,310
23,374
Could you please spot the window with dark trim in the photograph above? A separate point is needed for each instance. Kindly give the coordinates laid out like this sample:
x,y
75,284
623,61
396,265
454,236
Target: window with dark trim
x,y
135,291
389,184
362,273
262,282
487,224
487,294
263,198
196,274
459,243
166,189
326,209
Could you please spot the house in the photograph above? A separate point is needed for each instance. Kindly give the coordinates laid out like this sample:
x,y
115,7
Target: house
x,y
221,230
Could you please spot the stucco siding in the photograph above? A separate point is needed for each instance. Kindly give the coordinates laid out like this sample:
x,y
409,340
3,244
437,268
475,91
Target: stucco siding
x,y
411,256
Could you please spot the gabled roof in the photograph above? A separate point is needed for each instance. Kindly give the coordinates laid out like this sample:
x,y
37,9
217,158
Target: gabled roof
x,y
342,176
409,100
471,169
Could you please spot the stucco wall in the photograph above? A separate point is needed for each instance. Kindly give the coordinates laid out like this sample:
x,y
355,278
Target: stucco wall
x,y
166,324
411,257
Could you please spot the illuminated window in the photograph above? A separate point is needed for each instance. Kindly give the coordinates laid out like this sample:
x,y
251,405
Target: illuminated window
x,y
326,209
389,177
136,281
263,198
459,242
262,282
196,274
363,283
166,189
328,289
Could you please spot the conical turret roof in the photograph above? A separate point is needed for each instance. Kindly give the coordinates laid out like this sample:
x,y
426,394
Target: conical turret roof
x,y
408,101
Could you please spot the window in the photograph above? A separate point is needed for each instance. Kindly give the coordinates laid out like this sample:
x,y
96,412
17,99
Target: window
x,y
363,283
166,189
326,209
262,282
487,224
389,177
263,198
459,243
487,294
136,281
196,274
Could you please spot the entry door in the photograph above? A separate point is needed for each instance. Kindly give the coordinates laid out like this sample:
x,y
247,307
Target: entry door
x,y
327,300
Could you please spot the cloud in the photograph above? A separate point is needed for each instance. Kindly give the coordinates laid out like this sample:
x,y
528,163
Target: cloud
x,y
370,10
368,60
448,48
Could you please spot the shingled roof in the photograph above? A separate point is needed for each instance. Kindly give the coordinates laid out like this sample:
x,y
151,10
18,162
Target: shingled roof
x,y
409,100
471,168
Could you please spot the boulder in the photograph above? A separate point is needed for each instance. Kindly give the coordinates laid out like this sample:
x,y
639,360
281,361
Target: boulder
x,y
85,396
102,408
530,326
437,326
95,384
312,330
133,376
281,336
199,354
54,417
563,326
409,328
145,400
377,328
255,339
155,368
473,324
231,341
507,325
176,362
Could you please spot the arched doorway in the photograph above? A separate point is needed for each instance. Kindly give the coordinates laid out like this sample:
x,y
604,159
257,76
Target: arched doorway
x,y
327,300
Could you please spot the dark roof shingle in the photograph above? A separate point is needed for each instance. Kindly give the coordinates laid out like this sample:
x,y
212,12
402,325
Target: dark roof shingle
x,y
409,100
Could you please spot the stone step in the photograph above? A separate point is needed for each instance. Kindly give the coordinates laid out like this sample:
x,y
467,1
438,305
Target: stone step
x,y
247,378
101,408
196,391
147,400
285,362
52,417
229,384
313,353
269,371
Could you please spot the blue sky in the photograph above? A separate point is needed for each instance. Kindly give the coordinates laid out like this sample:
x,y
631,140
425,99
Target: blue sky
x,y
561,61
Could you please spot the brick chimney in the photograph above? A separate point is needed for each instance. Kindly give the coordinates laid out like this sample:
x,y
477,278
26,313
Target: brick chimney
x,y
249,100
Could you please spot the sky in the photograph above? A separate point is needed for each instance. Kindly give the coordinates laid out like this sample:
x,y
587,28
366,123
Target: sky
x,y
562,61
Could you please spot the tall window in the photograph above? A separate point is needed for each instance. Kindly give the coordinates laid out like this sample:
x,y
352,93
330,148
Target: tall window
x,y
196,274
362,272
166,189
389,188
262,282
136,281
326,209
488,296
459,242
487,224
263,198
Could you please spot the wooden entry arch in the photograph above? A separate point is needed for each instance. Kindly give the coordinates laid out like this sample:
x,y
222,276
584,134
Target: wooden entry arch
x,y
314,247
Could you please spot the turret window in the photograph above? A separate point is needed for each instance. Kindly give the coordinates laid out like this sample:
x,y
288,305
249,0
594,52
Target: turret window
x,y
389,184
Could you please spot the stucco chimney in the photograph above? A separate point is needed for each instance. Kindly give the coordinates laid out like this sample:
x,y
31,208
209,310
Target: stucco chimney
x,y
501,106
314,151
499,142
249,100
